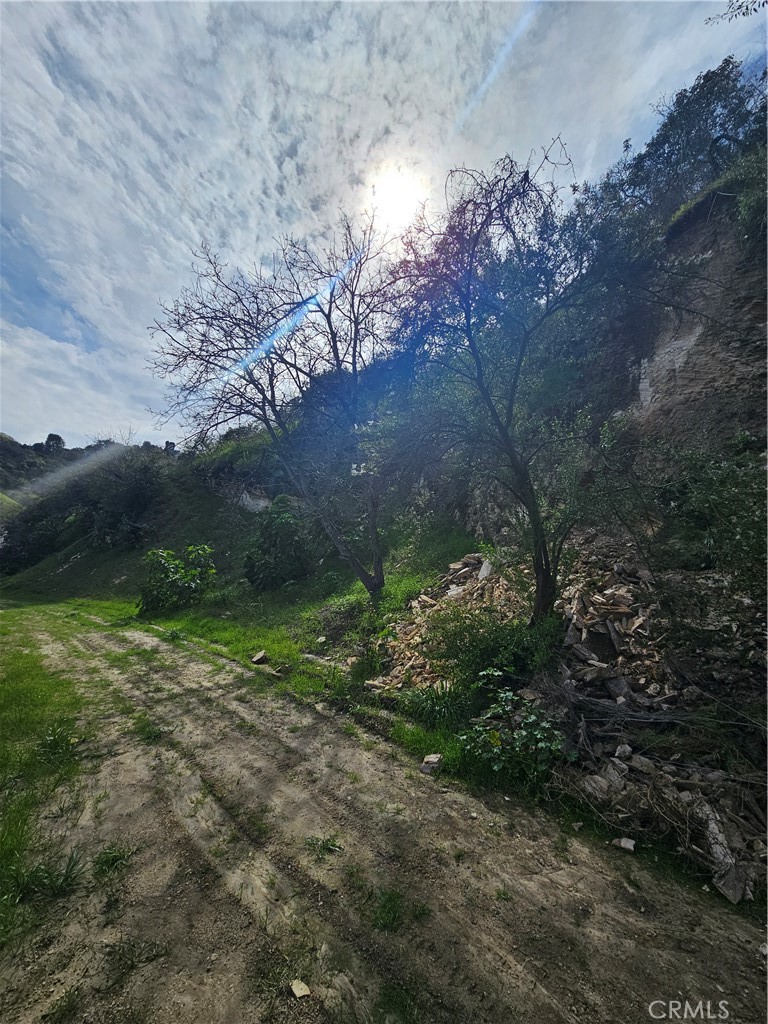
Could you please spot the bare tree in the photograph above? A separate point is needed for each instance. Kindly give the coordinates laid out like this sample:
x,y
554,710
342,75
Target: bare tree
x,y
288,350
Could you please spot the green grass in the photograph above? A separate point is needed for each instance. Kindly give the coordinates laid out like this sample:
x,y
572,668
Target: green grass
x,y
111,861
39,709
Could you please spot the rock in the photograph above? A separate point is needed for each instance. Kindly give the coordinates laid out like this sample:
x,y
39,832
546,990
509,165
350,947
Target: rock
x,y
485,570
260,658
577,826
322,640
691,694
625,844
617,687
526,694
614,779
267,671
299,989
596,787
643,764
431,763
623,751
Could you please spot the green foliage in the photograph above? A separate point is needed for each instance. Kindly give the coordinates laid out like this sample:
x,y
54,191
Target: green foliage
x,y
518,743
714,513
465,644
439,709
280,550
172,583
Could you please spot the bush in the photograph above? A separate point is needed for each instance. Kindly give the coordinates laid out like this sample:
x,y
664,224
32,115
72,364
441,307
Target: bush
x,y
463,645
714,514
172,583
518,742
281,551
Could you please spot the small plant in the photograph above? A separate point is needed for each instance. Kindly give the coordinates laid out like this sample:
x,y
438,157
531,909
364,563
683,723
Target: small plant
x,y
321,847
389,910
65,1008
126,955
146,729
110,861
173,583
503,894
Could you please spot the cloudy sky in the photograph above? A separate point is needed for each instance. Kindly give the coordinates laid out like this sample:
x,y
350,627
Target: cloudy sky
x,y
132,132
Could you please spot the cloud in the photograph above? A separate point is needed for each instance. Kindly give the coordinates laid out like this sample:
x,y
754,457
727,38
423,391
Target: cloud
x,y
131,132
58,387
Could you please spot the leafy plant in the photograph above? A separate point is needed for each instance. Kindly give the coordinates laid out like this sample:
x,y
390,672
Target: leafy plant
x,y
171,582
321,846
516,740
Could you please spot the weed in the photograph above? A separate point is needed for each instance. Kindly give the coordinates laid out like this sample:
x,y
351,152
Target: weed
x,y
126,955
65,1009
561,845
146,729
111,861
322,846
349,729
395,1003
58,746
503,894
459,856
388,910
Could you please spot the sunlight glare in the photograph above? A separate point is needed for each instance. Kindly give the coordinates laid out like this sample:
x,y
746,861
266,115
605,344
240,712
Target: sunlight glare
x,y
396,195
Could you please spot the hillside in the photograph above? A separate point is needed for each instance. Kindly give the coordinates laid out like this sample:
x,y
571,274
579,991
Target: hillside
x,y
427,684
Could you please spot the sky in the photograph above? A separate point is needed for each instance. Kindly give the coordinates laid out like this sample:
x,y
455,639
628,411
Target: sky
x,y
131,133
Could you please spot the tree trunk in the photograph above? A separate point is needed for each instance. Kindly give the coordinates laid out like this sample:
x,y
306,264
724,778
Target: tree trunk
x,y
546,590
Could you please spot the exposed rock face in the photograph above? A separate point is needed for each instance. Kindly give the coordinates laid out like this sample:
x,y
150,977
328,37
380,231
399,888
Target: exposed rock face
x,y
704,376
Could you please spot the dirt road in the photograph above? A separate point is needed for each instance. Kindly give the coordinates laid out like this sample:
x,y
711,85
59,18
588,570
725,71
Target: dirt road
x,y
276,842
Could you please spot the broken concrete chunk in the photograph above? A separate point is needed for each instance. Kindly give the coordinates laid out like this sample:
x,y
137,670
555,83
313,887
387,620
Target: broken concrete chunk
x,y
485,570
577,826
625,844
643,764
431,763
617,687
299,989
260,658
596,787
623,751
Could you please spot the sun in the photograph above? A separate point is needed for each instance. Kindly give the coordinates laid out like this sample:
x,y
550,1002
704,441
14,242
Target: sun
x,y
395,196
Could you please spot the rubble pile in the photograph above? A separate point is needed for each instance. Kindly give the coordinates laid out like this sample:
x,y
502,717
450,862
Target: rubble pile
x,y
470,583
619,688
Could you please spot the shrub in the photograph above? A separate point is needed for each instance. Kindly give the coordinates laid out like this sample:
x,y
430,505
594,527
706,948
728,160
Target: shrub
x,y
464,644
281,551
714,513
518,741
171,583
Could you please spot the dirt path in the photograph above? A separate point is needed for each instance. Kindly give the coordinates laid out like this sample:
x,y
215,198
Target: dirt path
x,y
413,901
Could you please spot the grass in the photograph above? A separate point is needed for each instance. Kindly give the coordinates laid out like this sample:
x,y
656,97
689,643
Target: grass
x,y
39,710
111,861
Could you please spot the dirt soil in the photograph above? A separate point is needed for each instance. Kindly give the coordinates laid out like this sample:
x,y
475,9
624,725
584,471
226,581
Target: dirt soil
x,y
425,904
